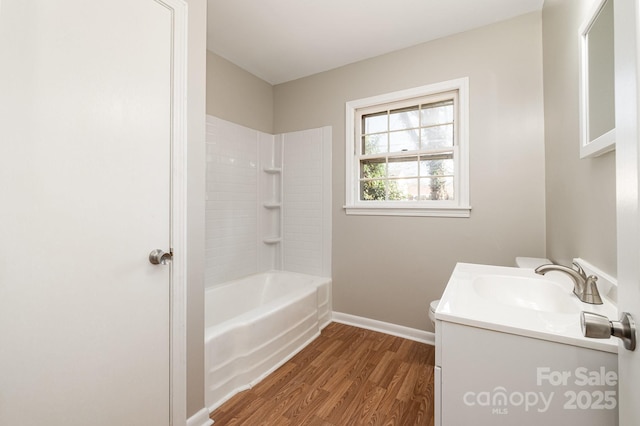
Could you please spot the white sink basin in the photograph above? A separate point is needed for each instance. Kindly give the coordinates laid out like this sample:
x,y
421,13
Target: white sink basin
x,y
524,292
518,301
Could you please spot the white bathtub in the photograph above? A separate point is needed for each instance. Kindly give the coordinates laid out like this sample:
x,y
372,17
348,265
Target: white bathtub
x,y
254,324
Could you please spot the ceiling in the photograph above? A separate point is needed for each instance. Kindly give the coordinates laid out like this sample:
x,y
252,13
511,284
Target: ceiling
x,y
283,40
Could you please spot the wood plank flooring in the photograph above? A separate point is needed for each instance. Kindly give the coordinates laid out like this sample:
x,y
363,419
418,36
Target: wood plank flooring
x,y
347,376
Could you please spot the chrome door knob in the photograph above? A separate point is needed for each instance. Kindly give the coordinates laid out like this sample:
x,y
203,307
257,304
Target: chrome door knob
x,y
597,326
159,257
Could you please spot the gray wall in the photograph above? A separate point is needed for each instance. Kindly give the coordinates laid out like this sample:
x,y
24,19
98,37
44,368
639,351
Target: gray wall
x,y
195,203
580,194
235,95
389,268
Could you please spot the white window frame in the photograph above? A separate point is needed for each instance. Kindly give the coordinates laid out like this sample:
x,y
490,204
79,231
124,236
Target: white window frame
x,y
459,207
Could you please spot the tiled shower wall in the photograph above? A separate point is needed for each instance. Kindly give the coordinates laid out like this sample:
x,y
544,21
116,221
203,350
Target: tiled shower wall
x,y
232,196
268,201
307,201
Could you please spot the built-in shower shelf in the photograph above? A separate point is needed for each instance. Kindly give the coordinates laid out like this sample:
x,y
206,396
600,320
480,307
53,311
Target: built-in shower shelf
x,y
272,205
272,240
272,170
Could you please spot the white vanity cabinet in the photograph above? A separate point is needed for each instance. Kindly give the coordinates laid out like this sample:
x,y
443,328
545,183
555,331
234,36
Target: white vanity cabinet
x,y
510,351
490,378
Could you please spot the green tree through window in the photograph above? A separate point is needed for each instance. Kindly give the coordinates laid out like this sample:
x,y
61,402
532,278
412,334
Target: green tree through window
x,y
376,189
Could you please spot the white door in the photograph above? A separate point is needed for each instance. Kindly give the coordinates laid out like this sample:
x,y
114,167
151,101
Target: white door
x,y
627,26
85,122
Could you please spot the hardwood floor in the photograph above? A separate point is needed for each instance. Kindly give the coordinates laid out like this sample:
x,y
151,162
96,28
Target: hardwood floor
x,y
347,376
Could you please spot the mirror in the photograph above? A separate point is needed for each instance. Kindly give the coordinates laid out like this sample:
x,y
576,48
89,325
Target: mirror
x,y
597,98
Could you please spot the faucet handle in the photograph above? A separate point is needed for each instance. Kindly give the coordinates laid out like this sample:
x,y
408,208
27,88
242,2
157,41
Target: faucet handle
x,y
591,293
579,270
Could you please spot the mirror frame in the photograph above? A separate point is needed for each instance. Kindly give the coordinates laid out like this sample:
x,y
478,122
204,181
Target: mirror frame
x,y
606,142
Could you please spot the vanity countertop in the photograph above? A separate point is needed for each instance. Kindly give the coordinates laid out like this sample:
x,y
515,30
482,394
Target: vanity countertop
x,y
519,301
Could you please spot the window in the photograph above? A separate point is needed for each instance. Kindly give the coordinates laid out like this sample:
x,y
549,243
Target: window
x,y
407,152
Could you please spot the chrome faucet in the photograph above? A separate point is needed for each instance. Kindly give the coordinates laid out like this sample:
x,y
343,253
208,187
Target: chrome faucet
x,y
584,287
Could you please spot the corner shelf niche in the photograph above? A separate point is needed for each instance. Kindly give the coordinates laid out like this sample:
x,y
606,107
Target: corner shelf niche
x,y
272,205
272,240
272,170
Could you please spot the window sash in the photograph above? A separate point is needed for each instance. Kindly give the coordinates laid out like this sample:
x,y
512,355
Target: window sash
x,y
421,174
436,208
415,155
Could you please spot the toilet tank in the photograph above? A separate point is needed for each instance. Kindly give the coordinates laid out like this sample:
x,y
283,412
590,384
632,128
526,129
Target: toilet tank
x,y
531,262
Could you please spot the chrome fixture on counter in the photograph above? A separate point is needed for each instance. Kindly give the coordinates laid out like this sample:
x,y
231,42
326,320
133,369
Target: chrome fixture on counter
x,y
584,287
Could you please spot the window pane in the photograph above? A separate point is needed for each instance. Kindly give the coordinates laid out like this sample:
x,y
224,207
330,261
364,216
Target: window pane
x,y
371,169
405,118
436,188
374,144
373,190
375,123
403,167
405,189
437,137
436,167
406,140
438,113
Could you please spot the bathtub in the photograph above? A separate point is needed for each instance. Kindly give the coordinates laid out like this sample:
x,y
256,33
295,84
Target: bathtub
x,y
255,324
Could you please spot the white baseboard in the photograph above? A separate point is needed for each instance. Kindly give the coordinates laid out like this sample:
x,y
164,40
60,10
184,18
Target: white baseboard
x,y
385,327
201,418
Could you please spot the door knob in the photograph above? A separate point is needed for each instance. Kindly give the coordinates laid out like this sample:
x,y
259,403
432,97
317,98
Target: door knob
x,y
159,257
598,326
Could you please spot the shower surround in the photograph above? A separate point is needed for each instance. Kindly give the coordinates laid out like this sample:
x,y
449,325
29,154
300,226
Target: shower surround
x,y
268,202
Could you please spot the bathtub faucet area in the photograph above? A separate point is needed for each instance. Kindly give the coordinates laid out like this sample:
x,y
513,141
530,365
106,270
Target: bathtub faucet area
x,y
584,287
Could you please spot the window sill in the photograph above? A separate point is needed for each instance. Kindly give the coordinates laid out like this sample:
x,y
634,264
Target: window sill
x,y
408,211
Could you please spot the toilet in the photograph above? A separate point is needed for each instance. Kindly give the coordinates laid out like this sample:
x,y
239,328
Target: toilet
x,y
531,262
432,311
521,262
